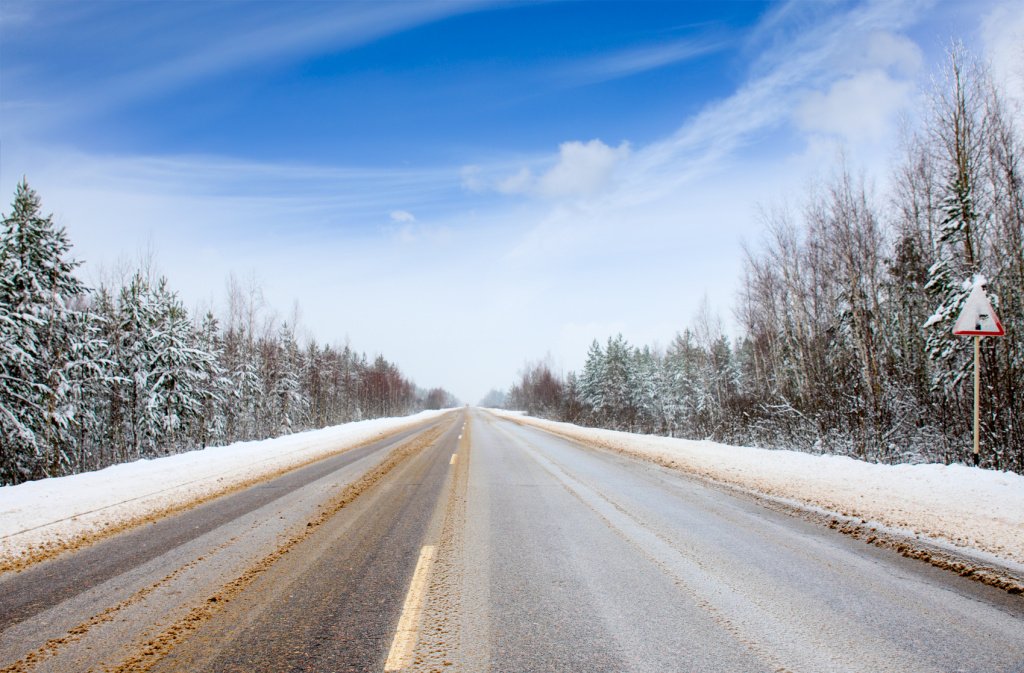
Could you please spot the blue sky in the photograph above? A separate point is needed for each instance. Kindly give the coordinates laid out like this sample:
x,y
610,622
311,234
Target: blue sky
x,y
460,185
417,84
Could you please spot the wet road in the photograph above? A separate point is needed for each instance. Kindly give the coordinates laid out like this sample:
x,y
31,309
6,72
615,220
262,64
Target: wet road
x,y
544,555
582,560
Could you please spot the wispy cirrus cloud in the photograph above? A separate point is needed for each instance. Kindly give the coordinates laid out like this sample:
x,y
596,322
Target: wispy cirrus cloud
x,y
794,91
843,74
336,27
226,197
173,46
625,63
812,60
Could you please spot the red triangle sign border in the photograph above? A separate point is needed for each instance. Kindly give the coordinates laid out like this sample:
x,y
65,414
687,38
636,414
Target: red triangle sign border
x,y
977,317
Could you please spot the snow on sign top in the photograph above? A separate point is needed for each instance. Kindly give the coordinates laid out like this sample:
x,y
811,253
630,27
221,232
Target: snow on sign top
x,y
978,318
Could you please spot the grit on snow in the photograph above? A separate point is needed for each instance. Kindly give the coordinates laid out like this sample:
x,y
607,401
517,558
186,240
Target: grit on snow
x,y
55,512
964,506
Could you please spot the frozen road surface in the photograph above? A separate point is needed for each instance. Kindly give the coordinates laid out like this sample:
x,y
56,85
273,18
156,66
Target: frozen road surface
x,y
472,543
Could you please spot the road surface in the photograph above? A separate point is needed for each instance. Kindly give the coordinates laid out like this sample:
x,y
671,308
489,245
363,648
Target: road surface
x,y
475,544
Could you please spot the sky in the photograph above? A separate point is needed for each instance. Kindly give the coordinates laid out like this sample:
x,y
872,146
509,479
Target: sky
x,y
461,186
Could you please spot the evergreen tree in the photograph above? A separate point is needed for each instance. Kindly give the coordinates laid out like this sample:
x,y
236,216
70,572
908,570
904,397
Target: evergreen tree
x,y
956,126
136,354
617,384
210,427
291,404
179,370
38,343
591,383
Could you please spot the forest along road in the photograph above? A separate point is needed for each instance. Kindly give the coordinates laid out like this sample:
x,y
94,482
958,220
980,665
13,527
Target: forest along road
x,y
312,568
475,544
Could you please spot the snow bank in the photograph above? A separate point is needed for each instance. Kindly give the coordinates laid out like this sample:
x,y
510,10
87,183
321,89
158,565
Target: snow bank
x,y
964,506
51,514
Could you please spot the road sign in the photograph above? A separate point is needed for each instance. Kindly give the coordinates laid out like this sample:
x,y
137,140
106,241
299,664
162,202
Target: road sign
x,y
977,318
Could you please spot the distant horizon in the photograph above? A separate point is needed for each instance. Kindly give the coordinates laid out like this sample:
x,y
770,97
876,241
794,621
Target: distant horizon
x,y
461,186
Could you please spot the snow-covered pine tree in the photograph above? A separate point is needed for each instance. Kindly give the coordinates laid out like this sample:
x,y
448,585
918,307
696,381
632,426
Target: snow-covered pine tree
x,y
591,384
179,369
109,444
618,382
292,405
136,352
92,369
682,373
37,342
241,365
210,427
316,383
644,390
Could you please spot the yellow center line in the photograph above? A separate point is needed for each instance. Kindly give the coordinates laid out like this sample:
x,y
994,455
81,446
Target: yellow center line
x,y
408,625
452,461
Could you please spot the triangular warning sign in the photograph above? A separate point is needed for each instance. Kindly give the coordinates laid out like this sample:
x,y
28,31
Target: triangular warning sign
x,y
978,318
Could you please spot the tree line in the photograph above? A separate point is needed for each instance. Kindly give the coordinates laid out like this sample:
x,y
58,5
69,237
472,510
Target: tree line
x,y
94,377
846,311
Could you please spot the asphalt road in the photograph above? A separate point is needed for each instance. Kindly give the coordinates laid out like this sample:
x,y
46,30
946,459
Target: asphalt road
x,y
544,555
578,559
135,601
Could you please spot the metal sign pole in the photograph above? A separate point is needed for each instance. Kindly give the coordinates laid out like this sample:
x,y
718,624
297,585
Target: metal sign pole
x,y
977,388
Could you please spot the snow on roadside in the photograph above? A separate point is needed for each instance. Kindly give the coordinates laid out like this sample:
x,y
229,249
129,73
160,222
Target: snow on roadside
x,y
963,506
50,513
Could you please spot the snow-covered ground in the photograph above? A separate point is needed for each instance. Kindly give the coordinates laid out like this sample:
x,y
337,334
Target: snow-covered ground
x,y
51,513
963,506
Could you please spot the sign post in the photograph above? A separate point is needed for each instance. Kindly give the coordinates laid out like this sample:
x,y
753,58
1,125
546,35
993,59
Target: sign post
x,y
977,319
977,391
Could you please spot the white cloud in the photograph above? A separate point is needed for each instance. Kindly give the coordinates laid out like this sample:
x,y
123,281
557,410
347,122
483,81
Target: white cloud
x,y
402,216
1002,31
898,52
521,182
862,108
471,178
582,169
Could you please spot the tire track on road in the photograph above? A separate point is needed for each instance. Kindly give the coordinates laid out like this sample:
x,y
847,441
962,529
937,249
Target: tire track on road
x,y
720,604
150,653
37,553
153,648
